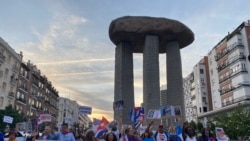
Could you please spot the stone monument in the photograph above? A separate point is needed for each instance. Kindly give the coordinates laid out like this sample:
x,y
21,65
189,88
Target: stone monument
x,y
150,36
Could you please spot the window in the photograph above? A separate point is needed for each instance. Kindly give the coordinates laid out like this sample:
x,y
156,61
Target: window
x,y
204,109
9,58
201,71
6,73
9,102
1,101
18,95
4,87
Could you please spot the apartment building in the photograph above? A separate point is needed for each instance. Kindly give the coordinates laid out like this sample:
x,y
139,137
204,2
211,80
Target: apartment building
x,y
84,121
9,71
229,71
189,96
35,94
68,111
196,87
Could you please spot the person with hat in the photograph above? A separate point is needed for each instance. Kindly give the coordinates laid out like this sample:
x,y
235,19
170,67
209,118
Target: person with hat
x,y
160,135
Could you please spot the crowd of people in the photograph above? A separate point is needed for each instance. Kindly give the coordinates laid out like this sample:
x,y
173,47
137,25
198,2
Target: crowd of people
x,y
127,134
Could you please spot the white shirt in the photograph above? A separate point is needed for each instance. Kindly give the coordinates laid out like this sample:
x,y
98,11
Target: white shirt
x,y
161,137
191,139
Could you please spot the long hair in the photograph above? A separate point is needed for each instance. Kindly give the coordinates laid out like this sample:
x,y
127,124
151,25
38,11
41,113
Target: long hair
x,y
107,136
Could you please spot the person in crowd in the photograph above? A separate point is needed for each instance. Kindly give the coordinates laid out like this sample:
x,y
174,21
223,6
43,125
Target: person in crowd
x,y
185,124
110,137
79,138
116,132
173,135
1,136
128,135
65,135
12,136
160,135
137,136
90,136
147,135
190,135
29,138
55,133
207,135
46,135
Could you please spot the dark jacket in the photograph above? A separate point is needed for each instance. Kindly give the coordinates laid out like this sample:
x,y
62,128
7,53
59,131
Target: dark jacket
x,y
174,138
1,136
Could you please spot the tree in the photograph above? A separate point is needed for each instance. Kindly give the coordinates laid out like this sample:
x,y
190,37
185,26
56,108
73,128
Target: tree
x,y
199,127
235,124
10,111
193,125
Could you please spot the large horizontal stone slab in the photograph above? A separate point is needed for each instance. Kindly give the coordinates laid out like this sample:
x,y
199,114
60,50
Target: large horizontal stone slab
x,y
133,29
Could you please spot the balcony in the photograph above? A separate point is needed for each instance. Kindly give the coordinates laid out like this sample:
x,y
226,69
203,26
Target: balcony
x,y
242,70
232,88
237,100
13,82
23,88
11,95
224,91
228,50
228,63
21,101
15,69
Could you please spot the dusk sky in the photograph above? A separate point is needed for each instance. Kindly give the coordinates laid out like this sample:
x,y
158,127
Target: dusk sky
x,y
68,40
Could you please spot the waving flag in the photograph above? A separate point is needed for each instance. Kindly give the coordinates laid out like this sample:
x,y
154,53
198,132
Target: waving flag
x,y
137,114
104,122
137,124
101,132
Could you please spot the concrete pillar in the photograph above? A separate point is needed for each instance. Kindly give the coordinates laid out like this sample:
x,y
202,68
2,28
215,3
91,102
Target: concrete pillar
x,y
124,81
174,76
151,81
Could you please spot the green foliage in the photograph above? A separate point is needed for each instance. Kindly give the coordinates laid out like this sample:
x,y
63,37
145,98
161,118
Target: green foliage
x,y
199,127
193,125
196,127
236,124
10,111
212,126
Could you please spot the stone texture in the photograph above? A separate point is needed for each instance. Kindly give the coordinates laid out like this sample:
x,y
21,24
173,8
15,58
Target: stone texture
x,y
174,76
151,77
124,81
149,36
134,28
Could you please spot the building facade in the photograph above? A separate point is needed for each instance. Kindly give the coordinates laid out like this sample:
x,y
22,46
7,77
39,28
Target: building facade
x,y
68,111
35,94
229,71
9,71
197,92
